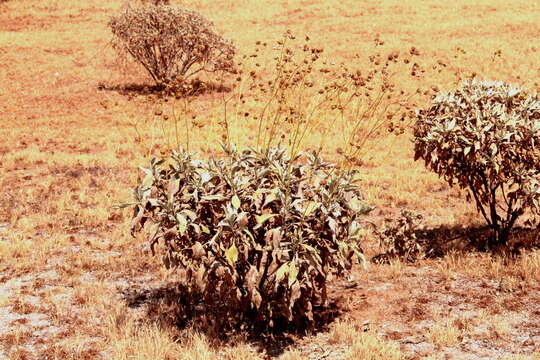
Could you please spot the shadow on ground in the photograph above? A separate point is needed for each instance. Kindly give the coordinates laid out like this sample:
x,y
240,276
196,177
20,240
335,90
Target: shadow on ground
x,y
188,89
439,241
170,306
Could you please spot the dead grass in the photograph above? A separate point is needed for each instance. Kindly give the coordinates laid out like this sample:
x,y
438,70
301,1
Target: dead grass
x,y
444,333
362,344
71,152
513,271
523,357
371,347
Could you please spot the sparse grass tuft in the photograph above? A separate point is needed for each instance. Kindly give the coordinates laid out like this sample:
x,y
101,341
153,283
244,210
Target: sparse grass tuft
x,y
444,333
370,346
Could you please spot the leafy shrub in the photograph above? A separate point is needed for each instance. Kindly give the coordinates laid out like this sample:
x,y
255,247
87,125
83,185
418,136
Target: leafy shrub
x,y
254,235
485,137
399,237
170,43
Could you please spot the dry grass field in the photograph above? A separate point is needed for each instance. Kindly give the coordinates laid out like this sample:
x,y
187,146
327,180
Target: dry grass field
x,y
75,124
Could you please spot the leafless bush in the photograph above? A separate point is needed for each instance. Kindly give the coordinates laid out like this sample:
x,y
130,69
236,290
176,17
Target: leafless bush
x,y
171,43
154,2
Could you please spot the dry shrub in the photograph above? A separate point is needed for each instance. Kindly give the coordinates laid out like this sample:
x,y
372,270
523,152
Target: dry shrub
x,y
149,2
171,43
160,2
399,237
484,137
255,236
293,92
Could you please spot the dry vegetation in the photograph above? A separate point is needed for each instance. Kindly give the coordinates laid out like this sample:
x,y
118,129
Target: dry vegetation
x,y
75,125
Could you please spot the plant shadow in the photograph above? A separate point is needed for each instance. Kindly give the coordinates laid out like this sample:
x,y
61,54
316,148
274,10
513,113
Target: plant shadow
x,y
438,241
169,306
444,239
192,88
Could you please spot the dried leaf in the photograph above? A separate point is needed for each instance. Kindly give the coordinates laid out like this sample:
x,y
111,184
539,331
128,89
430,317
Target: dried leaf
x,y
293,272
273,236
311,207
281,272
235,202
232,255
263,218
198,251
295,294
199,277
205,229
205,177
172,189
251,278
182,223
333,225
212,197
272,196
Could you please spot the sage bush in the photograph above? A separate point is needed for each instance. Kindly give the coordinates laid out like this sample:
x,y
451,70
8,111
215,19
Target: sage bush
x,y
256,235
485,137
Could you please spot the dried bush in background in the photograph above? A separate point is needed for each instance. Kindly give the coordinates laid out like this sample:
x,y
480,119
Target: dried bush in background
x,y
485,137
148,2
255,236
171,43
160,2
290,93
